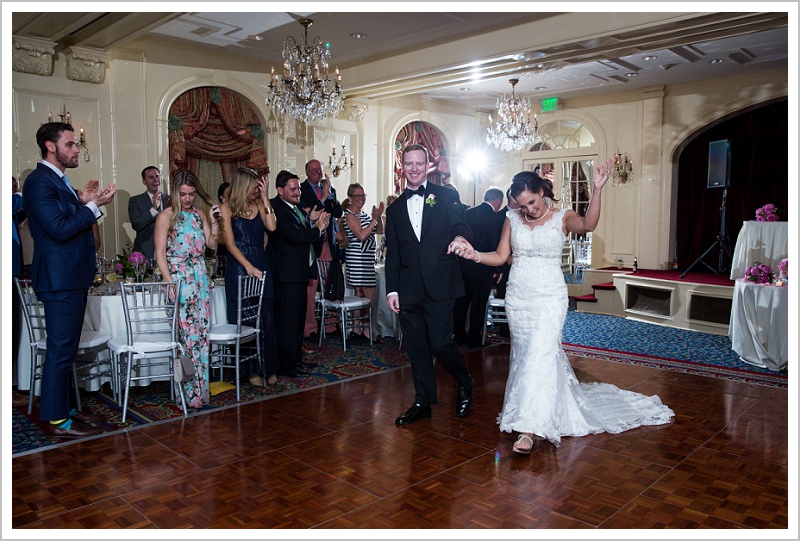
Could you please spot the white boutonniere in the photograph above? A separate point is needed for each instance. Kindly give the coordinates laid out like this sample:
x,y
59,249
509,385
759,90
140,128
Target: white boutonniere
x,y
431,200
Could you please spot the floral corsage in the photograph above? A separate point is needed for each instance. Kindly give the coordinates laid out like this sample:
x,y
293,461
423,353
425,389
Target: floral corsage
x,y
431,200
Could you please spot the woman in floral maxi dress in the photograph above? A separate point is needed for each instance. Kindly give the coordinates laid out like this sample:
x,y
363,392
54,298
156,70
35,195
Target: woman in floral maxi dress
x,y
182,234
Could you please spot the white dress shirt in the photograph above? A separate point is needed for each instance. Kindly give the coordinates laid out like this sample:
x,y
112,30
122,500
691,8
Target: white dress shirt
x,y
415,205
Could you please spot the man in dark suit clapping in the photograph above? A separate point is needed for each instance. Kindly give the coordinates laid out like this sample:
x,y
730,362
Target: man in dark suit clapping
x,y
294,258
318,194
487,226
143,210
423,279
60,220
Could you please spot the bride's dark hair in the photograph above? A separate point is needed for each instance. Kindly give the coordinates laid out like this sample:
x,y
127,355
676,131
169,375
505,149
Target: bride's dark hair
x,y
530,181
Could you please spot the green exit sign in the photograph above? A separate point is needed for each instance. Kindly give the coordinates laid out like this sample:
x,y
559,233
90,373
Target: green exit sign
x,y
549,104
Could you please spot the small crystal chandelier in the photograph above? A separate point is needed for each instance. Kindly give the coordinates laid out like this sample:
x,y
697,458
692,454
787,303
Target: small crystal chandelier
x,y
305,91
513,129
622,170
340,164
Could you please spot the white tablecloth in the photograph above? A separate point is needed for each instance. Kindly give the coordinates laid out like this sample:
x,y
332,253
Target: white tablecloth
x,y
104,313
759,325
767,242
385,320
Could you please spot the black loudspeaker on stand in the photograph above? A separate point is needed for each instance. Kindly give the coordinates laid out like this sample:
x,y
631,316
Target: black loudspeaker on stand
x,y
719,171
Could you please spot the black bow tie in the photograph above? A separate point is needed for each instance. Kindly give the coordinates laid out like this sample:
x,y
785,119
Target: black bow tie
x,y
420,191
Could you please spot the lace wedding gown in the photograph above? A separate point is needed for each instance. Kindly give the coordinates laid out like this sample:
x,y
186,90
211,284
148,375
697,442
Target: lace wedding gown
x,y
543,396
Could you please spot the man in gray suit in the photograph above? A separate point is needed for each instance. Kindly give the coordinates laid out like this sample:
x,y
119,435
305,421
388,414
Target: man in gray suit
x,y
143,209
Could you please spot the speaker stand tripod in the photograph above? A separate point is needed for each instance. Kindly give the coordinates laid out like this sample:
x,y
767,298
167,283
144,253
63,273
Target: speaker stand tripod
x,y
723,242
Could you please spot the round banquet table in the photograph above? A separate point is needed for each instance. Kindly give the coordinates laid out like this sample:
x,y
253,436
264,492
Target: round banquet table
x,y
104,313
759,325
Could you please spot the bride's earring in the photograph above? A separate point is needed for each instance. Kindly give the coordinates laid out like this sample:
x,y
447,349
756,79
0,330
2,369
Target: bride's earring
x,y
547,201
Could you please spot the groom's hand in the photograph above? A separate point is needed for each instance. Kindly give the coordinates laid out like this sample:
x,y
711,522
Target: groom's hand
x,y
393,301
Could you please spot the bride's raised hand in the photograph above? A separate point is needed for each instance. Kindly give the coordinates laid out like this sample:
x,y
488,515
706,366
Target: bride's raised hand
x,y
602,172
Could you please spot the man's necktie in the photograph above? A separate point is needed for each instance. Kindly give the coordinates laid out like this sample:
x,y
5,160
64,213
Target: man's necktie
x,y
305,223
66,181
420,191
318,189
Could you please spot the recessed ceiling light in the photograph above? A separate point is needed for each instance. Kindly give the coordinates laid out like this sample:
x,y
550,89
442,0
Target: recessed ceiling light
x,y
715,61
465,89
540,88
631,74
649,57
358,35
255,37
530,55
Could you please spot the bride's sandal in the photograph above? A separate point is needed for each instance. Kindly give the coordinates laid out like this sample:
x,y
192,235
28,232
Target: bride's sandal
x,y
519,446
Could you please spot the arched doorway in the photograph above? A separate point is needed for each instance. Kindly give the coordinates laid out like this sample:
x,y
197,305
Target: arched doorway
x,y
759,175
429,136
213,131
568,150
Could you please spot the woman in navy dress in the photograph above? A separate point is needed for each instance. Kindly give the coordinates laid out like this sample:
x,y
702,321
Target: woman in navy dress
x,y
246,217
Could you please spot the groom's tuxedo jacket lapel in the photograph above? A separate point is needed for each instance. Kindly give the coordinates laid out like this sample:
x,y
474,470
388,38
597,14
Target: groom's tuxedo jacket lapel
x,y
424,265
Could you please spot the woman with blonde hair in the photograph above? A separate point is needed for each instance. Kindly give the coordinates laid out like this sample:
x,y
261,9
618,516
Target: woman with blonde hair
x,y
360,229
182,233
246,217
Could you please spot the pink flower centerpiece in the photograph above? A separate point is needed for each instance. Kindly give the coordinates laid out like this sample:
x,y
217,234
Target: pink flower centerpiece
x,y
760,273
783,271
137,258
767,213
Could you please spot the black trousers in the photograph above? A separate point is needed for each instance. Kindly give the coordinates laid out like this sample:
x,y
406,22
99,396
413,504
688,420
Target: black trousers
x,y
427,332
476,295
291,301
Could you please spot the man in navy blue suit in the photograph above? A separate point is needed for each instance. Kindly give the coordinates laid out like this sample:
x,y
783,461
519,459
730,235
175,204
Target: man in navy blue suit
x,y
60,220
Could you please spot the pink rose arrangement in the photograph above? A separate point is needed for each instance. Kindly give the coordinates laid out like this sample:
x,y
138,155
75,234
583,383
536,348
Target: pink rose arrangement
x,y
137,258
760,273
783,268
767,213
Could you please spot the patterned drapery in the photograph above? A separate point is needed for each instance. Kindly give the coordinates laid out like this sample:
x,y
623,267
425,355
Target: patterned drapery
x,y
216,124
421,133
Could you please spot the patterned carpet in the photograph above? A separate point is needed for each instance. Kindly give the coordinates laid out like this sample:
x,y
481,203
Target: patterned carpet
x,y
623,340
637,342
590,335
152,403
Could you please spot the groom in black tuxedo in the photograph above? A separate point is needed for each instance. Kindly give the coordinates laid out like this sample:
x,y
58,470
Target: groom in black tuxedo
x,y
423,279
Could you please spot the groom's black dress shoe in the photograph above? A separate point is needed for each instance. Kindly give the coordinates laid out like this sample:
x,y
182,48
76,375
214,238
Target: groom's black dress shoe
x,y
464,399
414,414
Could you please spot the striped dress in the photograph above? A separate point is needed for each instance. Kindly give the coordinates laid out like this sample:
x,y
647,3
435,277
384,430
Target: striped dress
x,y
360,256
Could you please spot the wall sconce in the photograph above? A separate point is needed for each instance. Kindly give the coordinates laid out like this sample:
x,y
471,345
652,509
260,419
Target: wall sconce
x,y
622,170
341,164
66,118
82,145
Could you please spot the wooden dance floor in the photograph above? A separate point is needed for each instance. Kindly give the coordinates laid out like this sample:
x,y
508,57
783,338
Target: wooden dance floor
x,y
332,457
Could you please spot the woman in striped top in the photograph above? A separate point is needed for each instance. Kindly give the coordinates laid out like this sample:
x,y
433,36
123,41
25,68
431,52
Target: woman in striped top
x,y
360,229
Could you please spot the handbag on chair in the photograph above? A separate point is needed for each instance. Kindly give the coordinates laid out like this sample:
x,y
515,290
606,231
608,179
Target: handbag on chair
x,y
334,283
183,369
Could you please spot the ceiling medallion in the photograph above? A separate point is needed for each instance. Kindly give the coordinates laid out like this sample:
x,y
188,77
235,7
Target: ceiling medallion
x,y
305,91
513,130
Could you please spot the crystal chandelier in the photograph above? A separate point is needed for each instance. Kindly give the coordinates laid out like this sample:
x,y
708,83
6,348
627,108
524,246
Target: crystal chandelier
x,y
622,170
513,129
305,91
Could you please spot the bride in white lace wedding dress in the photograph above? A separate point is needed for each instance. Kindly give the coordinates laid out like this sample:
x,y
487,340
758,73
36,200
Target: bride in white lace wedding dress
x,y
544,399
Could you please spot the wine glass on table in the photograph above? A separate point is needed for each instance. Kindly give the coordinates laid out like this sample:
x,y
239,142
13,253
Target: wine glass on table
x,y
111,278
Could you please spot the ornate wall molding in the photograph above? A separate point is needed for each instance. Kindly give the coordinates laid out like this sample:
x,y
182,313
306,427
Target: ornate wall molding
x,y
31,55
86,65
354,111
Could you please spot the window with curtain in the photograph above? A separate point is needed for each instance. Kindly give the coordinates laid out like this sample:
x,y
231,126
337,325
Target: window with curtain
x,y
427,135
213,131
